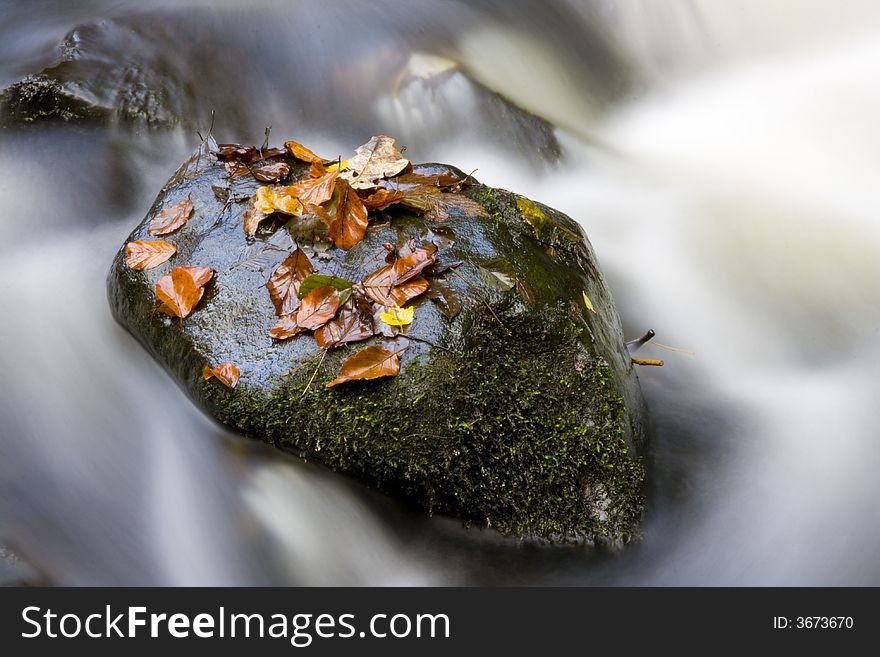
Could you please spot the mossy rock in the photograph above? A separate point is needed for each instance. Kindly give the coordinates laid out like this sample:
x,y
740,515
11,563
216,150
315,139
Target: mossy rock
x,y
521,411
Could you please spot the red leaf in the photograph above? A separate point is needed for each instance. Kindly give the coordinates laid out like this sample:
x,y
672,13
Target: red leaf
x,y
180,291
145,254
349,224
369,363
284,283
171,218
225,373
318,307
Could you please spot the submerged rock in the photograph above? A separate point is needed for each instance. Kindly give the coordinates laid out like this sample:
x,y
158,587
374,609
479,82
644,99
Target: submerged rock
x,y
516,405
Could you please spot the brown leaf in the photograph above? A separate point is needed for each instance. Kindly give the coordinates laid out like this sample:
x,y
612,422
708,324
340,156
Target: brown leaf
x,y
181,290
349,223
252,218
370,363
284,283
272,173
301,153
144,254
353,324
225,373
285,328
408,266
317,169
237,169
375,160
318,307
171,218
314,191
380,287
382,198
236,153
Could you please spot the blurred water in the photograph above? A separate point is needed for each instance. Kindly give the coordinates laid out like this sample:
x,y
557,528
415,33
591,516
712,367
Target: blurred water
x,y
720,157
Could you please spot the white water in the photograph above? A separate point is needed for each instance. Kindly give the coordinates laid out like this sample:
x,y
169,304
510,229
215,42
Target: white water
x,y
733,205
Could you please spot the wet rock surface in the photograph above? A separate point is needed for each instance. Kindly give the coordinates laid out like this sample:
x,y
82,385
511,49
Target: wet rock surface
x,y
516,406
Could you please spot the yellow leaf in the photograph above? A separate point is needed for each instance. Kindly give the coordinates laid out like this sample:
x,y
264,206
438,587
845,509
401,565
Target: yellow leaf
x,y
588,303
268,200
398,316
337,166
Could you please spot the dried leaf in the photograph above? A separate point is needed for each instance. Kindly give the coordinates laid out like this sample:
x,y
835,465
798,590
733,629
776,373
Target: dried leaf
x,y
285,328
302,153
318,307
375,160
446,299
237,169
349,223
398,316
382,198
252,218
144,254
236,153
171,218
314,191
268,200
181,290
272,173
225,373
498,273
380,287
411,265
370,363
284,284
263,254
317,280
353,324
316,170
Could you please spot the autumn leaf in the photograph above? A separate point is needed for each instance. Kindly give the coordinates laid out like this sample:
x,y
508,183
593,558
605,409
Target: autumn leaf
x,y
382,198
314,191
370,363
225,373
317,280
498,273
395,316
284,284
181,290
272,173
144,254
380,287
318,307
285,328
236,153
353,324
171,218
375,160
252,218
410,265
349,223
268,200
316,170
302,153
587,302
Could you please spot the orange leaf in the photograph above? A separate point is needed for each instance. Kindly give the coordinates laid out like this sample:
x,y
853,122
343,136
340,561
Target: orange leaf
x,y
252,218
145,254
380,287
353,324
369,363
284,283
411,265
318,307
317,169
226,373
301,153
314,191
285,328
382,198
349,224
171,218
181,290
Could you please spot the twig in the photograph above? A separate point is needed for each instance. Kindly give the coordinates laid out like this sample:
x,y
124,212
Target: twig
x,y
314,374
428,342
477,292
644,361
634,345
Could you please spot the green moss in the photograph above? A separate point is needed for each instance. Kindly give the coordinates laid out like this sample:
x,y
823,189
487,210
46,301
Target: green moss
x,y
518,440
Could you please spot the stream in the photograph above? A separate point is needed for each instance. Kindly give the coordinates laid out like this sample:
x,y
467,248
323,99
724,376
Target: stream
x,y
722,158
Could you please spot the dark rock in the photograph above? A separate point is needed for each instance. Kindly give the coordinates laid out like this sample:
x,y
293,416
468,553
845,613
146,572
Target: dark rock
x,y
517,407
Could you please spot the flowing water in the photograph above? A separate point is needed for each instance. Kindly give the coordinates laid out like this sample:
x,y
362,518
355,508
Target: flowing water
x,y
721,157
